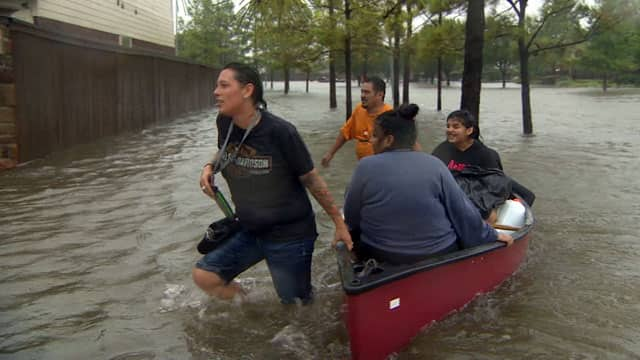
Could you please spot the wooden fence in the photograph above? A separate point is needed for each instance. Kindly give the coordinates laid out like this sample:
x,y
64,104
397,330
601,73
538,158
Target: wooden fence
x,y
70,91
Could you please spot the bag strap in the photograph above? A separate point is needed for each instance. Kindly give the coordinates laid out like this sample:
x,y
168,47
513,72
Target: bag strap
x,y
217,166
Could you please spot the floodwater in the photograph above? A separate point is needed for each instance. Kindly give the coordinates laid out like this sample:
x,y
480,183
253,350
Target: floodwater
x,y
97,243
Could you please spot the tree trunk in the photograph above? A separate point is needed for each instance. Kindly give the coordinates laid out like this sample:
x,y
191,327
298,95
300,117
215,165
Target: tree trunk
x,y
396,64
527,126
287,73
605,81
271,77
473,43
333,102
256,50
572,72
347,58
523,53
365,68
503,71
307,83
439,100
406,78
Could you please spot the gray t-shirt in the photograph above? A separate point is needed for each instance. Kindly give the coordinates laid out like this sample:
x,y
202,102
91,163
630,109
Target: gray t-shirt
x,y
407,202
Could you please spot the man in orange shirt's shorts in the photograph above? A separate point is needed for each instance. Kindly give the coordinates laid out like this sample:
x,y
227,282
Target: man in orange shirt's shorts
x,y
360,124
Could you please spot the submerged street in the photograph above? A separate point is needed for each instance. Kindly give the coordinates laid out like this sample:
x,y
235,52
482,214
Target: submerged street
x,y
98,242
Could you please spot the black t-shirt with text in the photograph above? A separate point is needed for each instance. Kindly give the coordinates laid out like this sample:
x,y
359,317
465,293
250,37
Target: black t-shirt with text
x,y
270,200
477,154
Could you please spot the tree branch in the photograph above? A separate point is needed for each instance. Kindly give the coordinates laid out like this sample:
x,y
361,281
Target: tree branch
x,y
502,12
392,10
546,17
587,36
557,46
535,33
514,7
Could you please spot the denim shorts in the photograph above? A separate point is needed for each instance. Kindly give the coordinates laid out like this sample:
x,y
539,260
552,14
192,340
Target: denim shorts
x,y
289,262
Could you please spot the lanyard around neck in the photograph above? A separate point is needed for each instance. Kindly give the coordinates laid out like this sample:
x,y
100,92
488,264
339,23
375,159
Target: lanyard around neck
x,y
219,165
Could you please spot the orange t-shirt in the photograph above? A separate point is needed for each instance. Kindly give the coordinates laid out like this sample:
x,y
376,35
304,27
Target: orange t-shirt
x,y
360,127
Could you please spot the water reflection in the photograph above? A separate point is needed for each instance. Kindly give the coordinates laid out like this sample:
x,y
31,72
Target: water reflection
x,y
97,243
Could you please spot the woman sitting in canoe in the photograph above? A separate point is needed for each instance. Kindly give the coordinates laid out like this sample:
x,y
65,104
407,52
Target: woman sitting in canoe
x,y
405,204
464,154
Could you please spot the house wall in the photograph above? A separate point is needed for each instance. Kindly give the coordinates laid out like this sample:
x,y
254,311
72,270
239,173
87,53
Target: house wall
x,y
149,21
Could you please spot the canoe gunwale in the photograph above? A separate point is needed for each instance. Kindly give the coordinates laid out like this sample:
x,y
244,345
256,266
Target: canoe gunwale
x,y
352,284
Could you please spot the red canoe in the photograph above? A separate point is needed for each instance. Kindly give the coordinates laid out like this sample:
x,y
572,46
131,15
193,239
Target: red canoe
x,y
389,307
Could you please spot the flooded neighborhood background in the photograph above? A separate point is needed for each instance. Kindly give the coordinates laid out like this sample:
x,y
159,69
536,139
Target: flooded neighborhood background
x,y
97,242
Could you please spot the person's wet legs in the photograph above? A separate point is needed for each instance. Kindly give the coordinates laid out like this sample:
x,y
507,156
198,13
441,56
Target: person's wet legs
x,y
214,272
290,266
214,285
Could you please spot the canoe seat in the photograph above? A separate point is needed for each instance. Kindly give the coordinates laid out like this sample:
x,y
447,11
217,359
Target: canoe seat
x,y
366,268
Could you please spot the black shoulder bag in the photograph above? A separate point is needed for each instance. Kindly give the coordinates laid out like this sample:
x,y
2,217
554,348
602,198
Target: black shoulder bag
x,y
222,230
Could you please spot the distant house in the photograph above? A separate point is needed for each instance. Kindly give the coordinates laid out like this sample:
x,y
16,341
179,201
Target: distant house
x,y
138,24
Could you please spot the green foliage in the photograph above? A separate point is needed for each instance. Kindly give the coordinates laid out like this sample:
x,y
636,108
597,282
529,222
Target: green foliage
x,y
282,32
444,40
212,36
369,51
614,49
298,34
556,39
560,24
367,47
610,30
500,48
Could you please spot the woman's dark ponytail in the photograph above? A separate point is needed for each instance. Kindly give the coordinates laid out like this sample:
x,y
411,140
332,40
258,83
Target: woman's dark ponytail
x,y
401,124
408,111
246,74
